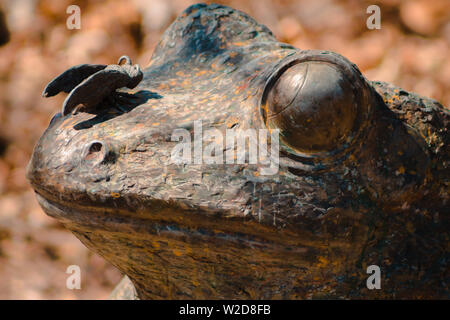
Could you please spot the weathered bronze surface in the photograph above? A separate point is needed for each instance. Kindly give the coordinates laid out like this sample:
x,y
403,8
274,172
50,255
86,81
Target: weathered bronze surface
x,y
363,175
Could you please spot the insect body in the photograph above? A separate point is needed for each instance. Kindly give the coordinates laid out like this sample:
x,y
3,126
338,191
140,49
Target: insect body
x,y
90,85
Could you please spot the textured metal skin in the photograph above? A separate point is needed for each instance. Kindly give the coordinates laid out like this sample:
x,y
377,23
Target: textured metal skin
x,y
380,196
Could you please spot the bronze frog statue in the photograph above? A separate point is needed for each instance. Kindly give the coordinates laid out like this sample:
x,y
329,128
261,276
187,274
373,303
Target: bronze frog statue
x,y
360,175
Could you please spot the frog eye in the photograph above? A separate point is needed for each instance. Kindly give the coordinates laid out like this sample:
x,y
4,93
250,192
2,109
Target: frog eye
x,y
318,101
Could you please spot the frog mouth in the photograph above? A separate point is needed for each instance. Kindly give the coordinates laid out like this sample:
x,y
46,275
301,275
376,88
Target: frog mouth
x,y
85,220
213,253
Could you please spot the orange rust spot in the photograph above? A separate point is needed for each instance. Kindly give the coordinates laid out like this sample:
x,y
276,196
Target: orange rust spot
x,y
401,170
238,44
231,122
323,262
410,227
155,245
200,73
242,86
115,195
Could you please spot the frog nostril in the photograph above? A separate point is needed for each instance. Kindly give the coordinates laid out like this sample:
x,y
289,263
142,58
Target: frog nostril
x,y
97,152
94,148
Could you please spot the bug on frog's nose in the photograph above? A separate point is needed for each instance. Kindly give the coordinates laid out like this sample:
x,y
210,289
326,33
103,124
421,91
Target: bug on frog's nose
x,y
319,101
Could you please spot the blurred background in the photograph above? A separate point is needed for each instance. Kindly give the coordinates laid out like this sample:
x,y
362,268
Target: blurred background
x,y
410,50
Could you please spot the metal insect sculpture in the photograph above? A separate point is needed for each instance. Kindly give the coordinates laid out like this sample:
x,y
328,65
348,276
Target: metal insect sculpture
x,y
90,86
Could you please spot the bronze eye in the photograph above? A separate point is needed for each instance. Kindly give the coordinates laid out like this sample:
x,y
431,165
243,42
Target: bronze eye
x,y
318,101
